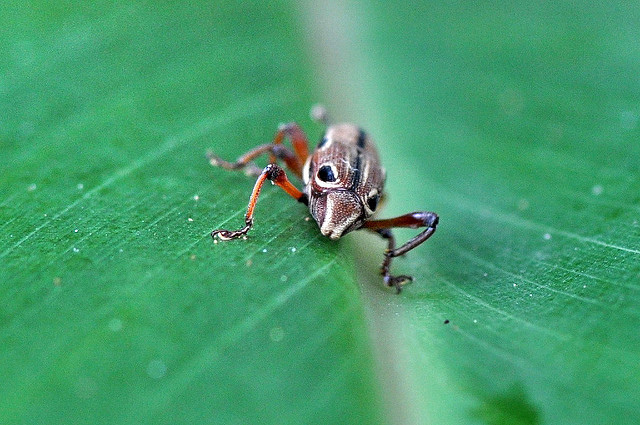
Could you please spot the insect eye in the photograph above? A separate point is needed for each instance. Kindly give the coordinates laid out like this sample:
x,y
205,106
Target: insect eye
x,y
325,173
372,202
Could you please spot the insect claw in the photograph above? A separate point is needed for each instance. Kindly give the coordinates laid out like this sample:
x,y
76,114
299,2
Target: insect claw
x,y
227,235
223,235
397,281
213,159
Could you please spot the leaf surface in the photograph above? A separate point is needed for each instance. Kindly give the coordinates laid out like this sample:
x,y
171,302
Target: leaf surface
x,y
117,305
518,124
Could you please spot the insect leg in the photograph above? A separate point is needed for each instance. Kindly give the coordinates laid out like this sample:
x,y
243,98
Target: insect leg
x,y
245,161
412,220
299,142
294,160
396,281
277,176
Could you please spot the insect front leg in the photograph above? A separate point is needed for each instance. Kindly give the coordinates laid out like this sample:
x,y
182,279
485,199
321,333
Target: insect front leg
x,y
277,176
383,228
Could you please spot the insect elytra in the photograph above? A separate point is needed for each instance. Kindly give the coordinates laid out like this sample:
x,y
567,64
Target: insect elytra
x,y
343,186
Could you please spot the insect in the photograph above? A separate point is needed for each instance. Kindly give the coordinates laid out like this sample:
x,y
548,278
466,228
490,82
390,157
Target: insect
x,y
343,186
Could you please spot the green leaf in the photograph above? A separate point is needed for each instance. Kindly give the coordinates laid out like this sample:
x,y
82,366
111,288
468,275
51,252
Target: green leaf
x,y
518,124
117,305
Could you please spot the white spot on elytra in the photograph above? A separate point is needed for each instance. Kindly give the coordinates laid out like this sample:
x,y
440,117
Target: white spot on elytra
x,y
547,236
32,187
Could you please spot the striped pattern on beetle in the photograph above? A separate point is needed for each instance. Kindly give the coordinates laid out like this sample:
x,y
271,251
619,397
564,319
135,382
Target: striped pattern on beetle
x,y
343,180
343,184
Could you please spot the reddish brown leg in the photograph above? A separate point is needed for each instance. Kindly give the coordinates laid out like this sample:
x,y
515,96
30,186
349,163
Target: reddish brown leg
x,y
299,142
278,177
245,161
294,160
383,228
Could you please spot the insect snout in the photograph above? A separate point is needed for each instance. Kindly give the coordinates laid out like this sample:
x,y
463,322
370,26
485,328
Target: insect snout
x,y
337,212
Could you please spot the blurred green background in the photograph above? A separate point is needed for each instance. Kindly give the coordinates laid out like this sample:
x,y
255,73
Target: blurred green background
x,y
517,123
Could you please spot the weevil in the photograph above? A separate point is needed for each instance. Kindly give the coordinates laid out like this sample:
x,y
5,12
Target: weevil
x,y
343,186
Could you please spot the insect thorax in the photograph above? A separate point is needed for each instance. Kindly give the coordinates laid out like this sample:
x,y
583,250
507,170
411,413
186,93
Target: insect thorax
x,y
343,179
